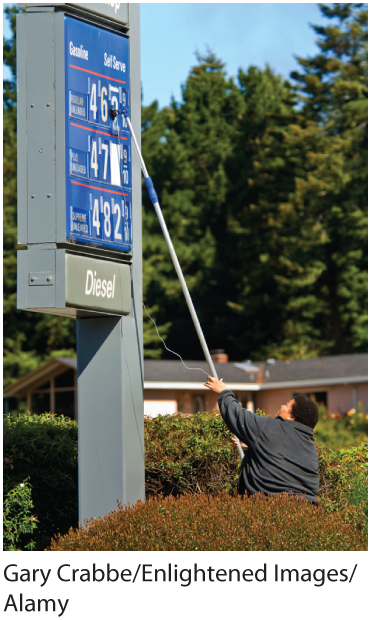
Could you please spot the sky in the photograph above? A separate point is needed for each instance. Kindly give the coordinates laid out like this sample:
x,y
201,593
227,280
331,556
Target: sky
x,y
240,34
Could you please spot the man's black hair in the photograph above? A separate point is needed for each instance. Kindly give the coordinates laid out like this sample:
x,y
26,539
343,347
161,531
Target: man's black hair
x,y
305,410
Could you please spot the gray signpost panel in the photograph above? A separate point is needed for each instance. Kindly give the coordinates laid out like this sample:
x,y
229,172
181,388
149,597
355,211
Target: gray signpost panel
x,y
58,276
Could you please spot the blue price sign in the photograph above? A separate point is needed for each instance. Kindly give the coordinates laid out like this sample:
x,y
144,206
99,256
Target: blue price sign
x,y
98,154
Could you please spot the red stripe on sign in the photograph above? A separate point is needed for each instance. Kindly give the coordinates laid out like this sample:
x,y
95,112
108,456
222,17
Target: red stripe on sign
x,y
96,131
100,189
98,74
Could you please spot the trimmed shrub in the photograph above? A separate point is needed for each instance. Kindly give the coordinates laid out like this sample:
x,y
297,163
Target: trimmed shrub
x,y
217,523
189,454
344,480
43,449
19,521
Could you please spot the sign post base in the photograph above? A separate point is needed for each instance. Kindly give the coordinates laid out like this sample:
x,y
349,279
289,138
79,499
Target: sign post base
x,y
110,415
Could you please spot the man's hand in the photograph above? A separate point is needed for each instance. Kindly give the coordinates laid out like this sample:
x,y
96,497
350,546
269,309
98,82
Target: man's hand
x,y
235,441
215,385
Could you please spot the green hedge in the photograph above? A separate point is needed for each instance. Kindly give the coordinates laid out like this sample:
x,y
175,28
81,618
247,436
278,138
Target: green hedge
x,y
185,455
19,522
344,479
189,454
43,449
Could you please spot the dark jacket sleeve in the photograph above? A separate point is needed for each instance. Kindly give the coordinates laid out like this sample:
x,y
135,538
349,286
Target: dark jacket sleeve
x,y
241,422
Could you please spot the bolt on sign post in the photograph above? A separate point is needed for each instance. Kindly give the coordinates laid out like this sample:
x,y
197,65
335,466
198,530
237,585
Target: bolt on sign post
x,y
79,220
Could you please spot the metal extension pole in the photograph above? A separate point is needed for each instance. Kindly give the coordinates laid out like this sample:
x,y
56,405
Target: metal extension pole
x,y
154,198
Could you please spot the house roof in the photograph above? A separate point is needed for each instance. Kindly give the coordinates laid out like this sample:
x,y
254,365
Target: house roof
x,y
330,367
173,370
171,374
52,368
318,371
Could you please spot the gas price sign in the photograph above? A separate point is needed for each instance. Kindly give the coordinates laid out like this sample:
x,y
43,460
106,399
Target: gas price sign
x,y
98,157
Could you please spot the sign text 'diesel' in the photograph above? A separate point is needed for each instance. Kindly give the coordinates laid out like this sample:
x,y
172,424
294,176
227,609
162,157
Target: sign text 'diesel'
x,y
98,285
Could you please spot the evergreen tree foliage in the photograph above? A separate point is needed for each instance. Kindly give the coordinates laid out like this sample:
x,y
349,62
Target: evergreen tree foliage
x,y
263,225
333,89
187,146
9,58
286,236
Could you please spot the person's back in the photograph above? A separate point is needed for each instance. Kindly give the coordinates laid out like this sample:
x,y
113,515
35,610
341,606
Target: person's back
x,y
281,456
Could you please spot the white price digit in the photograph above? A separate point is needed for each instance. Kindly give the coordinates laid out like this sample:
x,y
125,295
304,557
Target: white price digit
x,y
96,222
94,157
103,104
107,221
125,175
117,210
125,104
93,100
105,150
114,102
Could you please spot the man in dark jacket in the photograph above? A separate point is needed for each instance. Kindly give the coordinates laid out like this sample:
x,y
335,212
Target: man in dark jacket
x,y
281,455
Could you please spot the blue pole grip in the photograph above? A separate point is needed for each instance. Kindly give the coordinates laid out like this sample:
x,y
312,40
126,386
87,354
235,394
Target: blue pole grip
x,y
151,190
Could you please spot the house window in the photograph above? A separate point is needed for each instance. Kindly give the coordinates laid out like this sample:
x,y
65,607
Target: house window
x,y
242,399
65,403
198,403
40,403
319,397
66,379
57,395
15,404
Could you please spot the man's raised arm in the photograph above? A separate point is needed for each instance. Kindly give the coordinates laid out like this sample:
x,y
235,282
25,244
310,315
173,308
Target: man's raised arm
x,y
242,423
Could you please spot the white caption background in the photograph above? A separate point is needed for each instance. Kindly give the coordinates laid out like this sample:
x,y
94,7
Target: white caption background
x,y
200,600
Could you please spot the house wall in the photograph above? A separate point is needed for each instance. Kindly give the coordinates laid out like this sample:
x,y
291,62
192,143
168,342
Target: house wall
x,y
271,400
363,395
342,398
211,401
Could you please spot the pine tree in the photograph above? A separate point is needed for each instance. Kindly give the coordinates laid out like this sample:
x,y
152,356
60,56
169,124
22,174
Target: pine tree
x,y
333,89
155,252
188,145
261,219
298,208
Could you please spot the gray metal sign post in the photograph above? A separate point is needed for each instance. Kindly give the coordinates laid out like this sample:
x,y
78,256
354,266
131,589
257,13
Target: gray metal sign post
x,y
79,218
